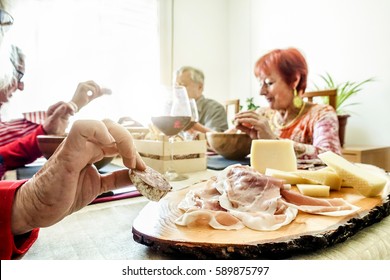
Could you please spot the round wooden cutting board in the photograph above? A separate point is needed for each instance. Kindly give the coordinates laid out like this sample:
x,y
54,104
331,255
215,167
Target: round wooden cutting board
x,y
155,227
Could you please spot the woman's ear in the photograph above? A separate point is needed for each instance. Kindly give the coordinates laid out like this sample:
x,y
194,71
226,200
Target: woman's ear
x,y
296,81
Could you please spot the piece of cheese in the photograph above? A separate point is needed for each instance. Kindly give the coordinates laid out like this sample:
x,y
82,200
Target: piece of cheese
x,y
288,177
323,177
313,190
364,181
275,154
330,169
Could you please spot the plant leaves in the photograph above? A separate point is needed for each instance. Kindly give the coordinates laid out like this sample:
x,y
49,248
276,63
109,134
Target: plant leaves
x,y
345,90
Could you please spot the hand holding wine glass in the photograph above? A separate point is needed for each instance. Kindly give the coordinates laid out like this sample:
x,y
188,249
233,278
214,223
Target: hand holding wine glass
x,y
174,118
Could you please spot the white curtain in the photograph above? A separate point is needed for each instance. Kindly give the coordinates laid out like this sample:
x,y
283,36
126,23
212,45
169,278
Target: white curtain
x,y
114,42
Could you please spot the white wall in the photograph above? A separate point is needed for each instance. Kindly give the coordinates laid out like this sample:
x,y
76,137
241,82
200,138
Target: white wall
x,y
200,39
349,39
241,62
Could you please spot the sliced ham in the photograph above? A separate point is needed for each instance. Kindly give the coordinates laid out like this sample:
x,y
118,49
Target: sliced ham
x,y
328,207
254,199
240,196
216,219
205,198
245,189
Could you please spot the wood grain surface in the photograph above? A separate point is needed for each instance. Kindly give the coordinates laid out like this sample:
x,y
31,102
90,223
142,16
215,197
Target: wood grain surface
x,y
155,227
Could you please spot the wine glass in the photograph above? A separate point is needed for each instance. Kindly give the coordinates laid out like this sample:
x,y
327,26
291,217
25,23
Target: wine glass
x,y
194,119
176,115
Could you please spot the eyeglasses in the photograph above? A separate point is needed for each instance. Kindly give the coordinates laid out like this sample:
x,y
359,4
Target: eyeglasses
x,y
267,83
6,20
19,74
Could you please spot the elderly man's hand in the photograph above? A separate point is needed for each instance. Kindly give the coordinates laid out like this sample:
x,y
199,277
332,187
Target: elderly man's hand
x,y
86,92
57,119
69,181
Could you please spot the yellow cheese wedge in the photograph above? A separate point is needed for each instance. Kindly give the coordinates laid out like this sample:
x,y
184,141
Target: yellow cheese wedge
x,y
323,177
330,169
313,190
276,154
288,177
364,181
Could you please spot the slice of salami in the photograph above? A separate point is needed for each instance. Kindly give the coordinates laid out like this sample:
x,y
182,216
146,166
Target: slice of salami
x,y
150,183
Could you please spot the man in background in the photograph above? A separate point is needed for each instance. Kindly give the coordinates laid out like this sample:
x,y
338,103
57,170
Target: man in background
x,y
212,114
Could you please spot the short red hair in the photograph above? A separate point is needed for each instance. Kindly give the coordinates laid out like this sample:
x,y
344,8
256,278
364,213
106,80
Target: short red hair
x,y
290,63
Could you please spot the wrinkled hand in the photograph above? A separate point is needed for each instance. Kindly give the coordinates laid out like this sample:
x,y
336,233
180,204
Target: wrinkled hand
x,y
254,125
57,119
86,92
69,181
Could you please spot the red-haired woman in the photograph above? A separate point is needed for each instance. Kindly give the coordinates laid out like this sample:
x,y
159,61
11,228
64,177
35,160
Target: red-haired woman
x,y
282,74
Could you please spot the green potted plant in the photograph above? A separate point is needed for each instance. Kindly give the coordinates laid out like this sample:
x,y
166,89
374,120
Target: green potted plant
x,y
345,91
250,105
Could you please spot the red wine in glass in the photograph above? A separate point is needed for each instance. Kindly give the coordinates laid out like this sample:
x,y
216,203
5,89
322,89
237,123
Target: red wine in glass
x,y
171,125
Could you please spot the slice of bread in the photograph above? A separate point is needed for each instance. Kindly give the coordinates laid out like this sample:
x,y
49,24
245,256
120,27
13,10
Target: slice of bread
x,y
150,183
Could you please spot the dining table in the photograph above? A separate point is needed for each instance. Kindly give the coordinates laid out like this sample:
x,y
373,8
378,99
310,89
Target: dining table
x,y
103,230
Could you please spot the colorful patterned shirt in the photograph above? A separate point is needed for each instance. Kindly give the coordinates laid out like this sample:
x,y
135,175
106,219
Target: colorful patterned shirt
x,y
315,132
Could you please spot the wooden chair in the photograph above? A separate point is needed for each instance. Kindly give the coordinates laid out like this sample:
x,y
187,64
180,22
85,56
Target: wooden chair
x,y
232,107
232,102
331,93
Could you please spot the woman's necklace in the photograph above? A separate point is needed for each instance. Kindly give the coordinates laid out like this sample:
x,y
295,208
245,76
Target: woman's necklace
x,y
292,121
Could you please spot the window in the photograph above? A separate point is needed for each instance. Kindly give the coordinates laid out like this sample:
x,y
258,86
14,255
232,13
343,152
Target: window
x,y
114,42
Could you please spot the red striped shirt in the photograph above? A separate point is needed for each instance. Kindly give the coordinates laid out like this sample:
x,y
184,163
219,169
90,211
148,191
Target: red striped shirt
x,y
12,130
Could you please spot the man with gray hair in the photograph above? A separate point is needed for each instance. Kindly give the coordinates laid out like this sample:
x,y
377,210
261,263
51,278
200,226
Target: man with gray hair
x,y
212,114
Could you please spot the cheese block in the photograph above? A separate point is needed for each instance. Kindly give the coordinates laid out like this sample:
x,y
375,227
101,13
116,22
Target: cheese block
x,y
313,190
324,177
275,154
288,177
364,181
327,168
330,169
